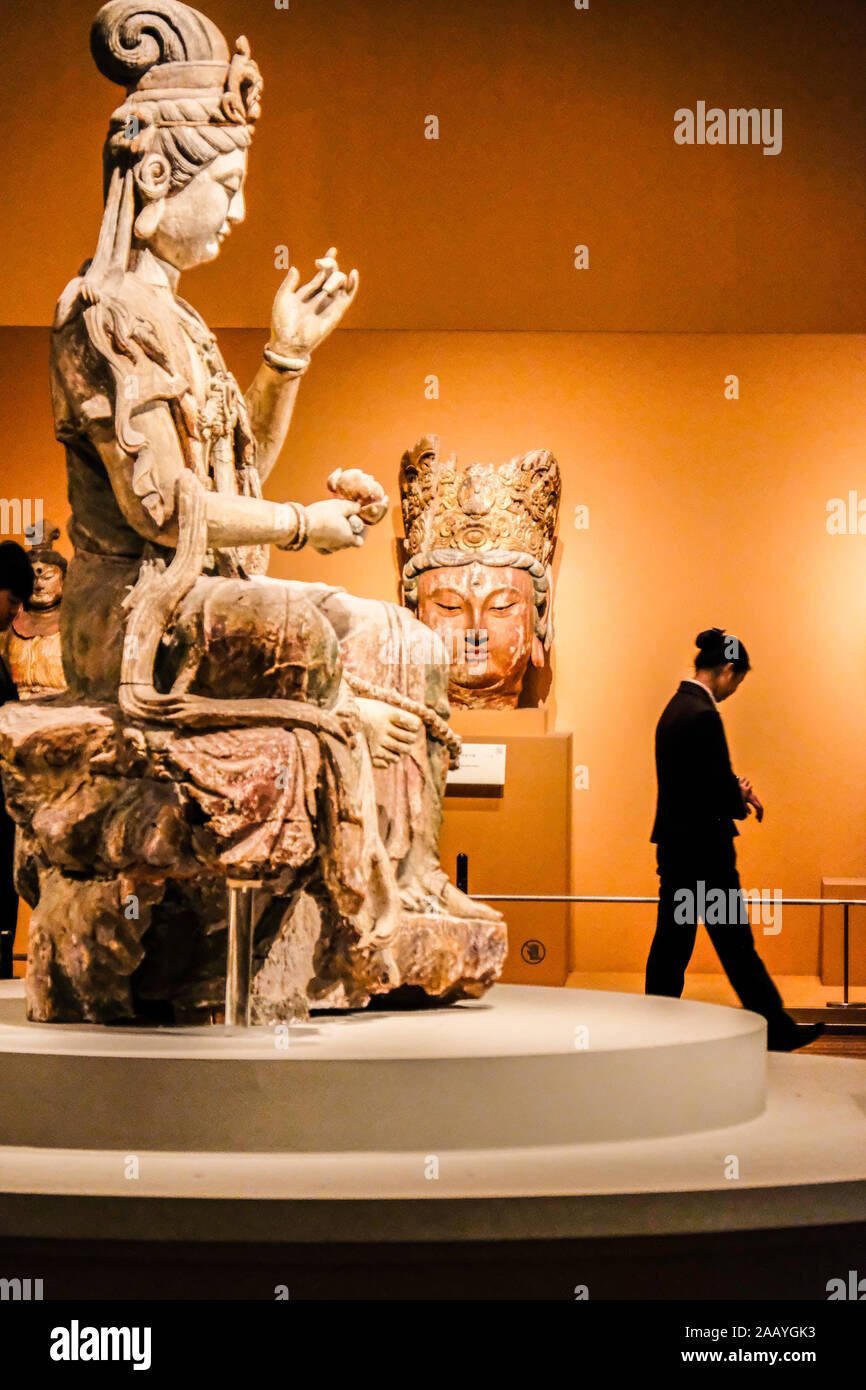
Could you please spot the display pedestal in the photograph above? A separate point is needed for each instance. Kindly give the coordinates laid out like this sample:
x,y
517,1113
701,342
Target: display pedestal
x,y
522,1066
517,837
169,1163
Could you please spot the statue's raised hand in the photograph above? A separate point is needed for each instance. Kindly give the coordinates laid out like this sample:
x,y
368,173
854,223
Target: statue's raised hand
x,y
303,315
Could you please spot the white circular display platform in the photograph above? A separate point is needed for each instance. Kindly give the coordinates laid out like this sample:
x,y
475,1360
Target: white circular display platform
x,y
525,1066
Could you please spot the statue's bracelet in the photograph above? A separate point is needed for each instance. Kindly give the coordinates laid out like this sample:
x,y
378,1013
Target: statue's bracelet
x,y
302,527
286,366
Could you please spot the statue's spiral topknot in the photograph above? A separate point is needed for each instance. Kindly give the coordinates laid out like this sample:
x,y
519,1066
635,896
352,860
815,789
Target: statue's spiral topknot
x,y
129,37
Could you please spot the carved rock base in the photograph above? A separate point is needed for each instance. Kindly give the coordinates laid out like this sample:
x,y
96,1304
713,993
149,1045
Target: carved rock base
x,y
125,838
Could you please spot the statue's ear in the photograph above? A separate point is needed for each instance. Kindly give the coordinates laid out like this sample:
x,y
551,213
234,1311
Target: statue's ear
x,y
536,651
153,177
149,219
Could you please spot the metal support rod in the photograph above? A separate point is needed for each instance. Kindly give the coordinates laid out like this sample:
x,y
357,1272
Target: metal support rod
x,y
845,955
461,878
240,909
846,961
239,963
605,898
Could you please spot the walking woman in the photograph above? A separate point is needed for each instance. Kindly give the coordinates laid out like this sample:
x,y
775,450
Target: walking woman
x,y
699,799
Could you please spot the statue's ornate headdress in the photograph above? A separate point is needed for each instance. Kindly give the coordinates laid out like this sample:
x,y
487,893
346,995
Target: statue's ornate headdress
x,y
40,544
501,514
486,507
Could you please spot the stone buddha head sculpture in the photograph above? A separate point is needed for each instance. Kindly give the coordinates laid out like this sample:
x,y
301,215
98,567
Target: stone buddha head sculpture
x,y
479,546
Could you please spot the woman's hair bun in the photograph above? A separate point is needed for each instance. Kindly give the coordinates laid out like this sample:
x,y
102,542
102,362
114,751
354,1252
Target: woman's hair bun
x,y
716,647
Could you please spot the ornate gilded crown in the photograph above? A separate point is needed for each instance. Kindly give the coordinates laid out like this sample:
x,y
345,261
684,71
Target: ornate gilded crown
x,y
507,507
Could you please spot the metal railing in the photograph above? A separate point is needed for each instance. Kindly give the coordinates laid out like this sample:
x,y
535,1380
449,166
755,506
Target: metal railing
x,y
845,903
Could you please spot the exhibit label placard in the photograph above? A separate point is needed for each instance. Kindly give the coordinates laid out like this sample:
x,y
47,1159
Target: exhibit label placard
x,y
481,765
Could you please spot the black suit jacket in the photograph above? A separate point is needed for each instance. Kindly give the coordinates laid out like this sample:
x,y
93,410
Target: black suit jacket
x,y
699,797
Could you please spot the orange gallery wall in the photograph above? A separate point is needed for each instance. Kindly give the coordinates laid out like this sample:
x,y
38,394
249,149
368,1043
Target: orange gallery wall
x,y
702,510
555,130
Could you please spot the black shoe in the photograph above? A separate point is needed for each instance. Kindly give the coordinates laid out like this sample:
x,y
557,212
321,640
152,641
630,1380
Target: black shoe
x,y
798,1035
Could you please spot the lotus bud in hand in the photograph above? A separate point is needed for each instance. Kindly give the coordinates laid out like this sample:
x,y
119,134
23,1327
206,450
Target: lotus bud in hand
x,y
360,487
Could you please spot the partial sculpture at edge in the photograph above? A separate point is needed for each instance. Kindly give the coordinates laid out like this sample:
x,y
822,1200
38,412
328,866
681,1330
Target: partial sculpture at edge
x,y
219,723
31,645
479,549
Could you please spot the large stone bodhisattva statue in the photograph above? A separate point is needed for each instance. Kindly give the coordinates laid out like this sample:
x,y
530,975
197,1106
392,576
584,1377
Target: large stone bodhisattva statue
x,y
219,724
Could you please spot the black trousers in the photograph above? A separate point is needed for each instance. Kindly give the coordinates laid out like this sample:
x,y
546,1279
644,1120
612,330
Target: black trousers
x,y
8,896
699,867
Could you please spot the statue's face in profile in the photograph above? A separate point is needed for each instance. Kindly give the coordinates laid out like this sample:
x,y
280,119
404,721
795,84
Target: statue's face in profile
x,y
195,221
47,585
485,615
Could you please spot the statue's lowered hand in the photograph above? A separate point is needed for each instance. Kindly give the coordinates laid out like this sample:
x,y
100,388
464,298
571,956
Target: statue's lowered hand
x,y
303,315
334,525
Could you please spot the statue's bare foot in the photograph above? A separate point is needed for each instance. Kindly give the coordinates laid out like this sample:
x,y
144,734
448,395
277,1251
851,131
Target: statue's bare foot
x,y
435,893
390,731
459,904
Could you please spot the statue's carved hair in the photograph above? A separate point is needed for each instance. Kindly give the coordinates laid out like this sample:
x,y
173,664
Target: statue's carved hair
x,y
179,131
